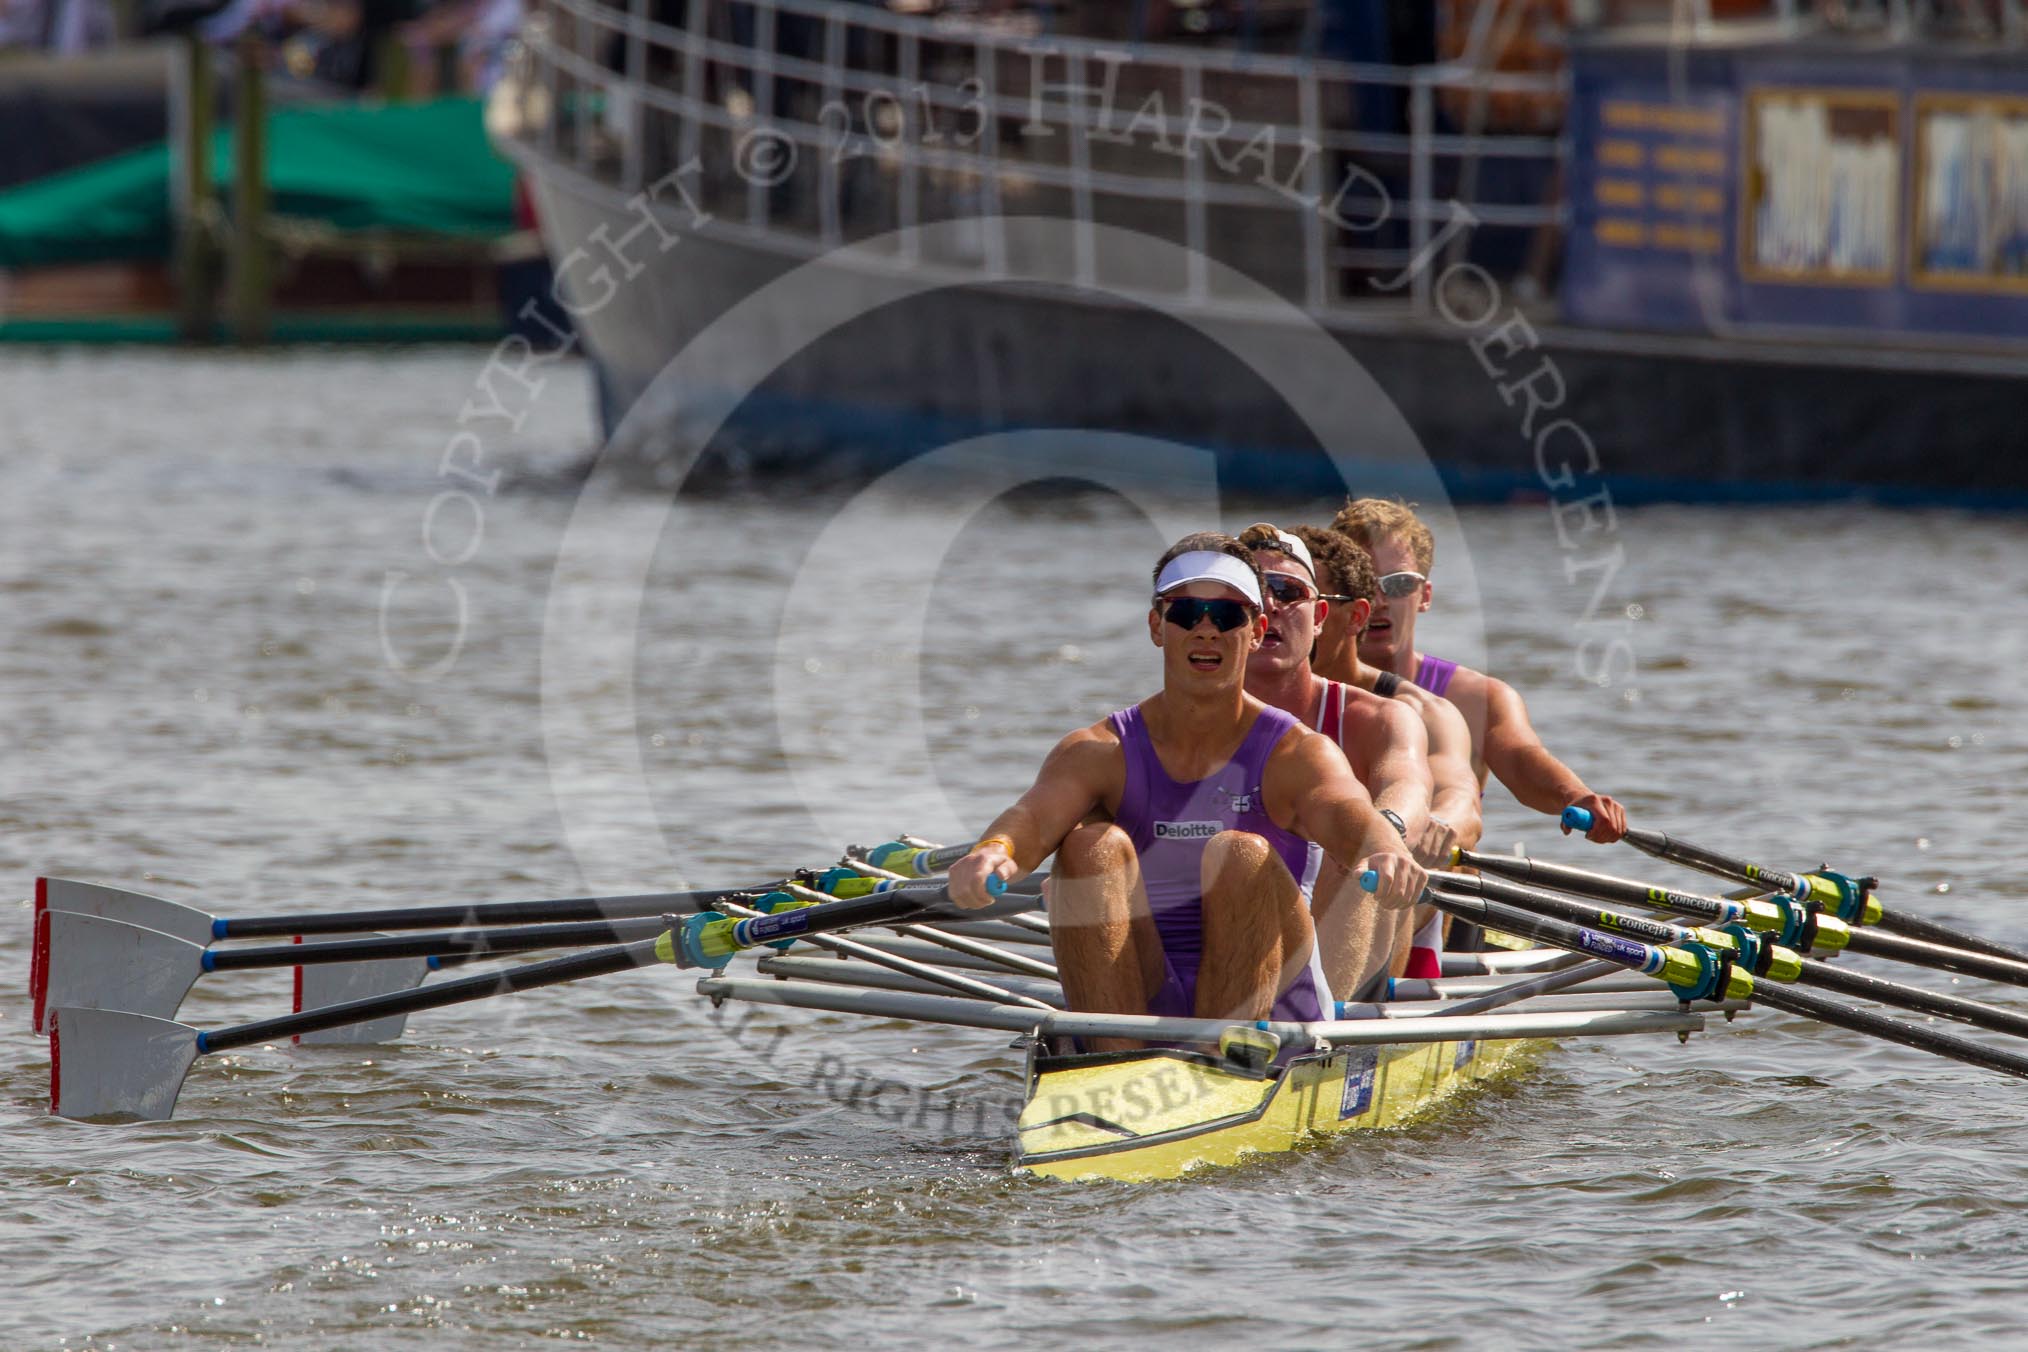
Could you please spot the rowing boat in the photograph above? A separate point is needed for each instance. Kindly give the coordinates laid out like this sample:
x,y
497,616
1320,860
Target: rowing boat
x,y
1162,1113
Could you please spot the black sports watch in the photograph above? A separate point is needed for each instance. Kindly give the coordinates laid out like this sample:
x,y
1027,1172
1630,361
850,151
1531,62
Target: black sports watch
x,y
1394,819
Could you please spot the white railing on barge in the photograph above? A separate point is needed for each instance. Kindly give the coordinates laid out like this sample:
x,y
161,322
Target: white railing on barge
x,y
1357,204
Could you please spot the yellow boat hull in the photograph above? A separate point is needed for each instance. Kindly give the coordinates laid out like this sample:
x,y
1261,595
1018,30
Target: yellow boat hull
x,y
1142,1116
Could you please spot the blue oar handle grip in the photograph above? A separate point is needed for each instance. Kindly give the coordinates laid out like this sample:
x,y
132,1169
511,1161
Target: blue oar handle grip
x,y
1370,880
1577,818
995,884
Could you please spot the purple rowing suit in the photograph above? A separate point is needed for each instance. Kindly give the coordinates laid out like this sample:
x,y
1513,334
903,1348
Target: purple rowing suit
x,y
1169,823
1434,674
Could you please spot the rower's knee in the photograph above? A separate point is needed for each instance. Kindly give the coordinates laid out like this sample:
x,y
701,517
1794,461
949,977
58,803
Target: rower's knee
x,y
1096,877
1235,859
1094,850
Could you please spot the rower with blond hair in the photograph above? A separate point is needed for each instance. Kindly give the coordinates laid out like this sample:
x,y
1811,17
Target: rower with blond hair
x,y
1504,741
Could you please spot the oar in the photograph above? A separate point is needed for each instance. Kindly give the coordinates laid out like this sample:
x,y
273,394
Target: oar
x,y
1696,973
94,962
1794,924
111,1063
1766,959
201,927
52,893
103,948
1850,899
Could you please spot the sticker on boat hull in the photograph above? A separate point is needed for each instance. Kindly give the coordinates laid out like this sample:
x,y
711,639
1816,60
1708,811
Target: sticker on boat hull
x,y
1360,1069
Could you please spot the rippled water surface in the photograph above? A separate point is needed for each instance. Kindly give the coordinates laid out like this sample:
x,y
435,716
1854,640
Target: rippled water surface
x,y
212,567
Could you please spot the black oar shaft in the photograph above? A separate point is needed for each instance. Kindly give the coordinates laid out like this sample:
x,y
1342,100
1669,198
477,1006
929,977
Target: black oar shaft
x,y
1544,929
1545,904
920,903
1917,927
1775,880
536,974
1600,885
1907,1034
562,909
1806,1003
1944,958
1813,973
1830,977
1692,855
462,943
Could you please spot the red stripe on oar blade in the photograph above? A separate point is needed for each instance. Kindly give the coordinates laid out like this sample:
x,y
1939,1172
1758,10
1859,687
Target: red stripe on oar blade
x,y
38,949
38,968
55,1069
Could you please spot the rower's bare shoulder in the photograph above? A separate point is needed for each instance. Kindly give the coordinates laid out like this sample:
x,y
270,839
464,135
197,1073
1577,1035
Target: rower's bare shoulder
x,y
1307,750
1399,719
1100,739
1472,684
1501,701
1092,758
1438,713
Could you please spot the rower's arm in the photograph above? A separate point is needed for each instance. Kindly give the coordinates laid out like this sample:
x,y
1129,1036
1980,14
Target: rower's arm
x,y
1515,753
1455,817
1074,778
1309,786
1398,768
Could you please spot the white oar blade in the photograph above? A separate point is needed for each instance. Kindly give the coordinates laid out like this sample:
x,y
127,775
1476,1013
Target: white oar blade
x,y
135,908
98,963
112,1064
321,984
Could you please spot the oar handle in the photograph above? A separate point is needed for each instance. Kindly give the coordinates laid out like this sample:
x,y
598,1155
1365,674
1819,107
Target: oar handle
x,y
1577,819
1370,880
915,861
710,940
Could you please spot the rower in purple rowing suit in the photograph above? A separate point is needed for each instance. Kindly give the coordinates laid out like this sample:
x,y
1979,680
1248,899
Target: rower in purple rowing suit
x,y
1188,828
1503,740
1434,673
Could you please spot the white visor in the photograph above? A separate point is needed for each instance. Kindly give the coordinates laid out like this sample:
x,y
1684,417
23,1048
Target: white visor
x,y
1205,565
1290,545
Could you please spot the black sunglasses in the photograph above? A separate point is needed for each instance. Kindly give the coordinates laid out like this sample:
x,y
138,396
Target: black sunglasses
x,y
1289,590
1187,612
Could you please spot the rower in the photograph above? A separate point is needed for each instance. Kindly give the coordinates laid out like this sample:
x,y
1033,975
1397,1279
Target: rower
x,y
1189,829
1453,819
1503,740
1384,742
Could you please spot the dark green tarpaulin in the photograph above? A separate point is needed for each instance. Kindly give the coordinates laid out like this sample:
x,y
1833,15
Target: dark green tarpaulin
x,y
424,168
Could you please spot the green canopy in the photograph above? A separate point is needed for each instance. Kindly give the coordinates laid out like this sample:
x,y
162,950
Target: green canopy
x,y
424,168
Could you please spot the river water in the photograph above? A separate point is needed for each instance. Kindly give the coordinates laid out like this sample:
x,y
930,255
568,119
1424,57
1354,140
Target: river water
x,y
235,675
